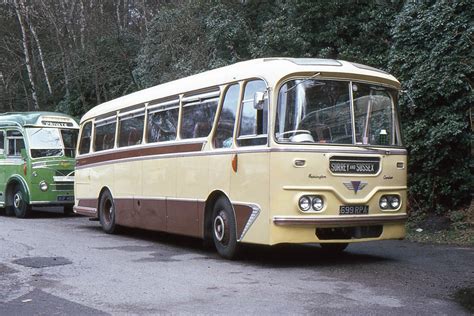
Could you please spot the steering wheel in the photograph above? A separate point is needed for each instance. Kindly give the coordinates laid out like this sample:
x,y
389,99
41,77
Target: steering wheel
x,y
295,133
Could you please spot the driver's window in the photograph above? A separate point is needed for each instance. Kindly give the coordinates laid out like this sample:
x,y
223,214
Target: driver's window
x,y
253,122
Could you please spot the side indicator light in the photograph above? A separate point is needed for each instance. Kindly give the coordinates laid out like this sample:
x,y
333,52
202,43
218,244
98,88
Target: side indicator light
x,y
234,163
25,168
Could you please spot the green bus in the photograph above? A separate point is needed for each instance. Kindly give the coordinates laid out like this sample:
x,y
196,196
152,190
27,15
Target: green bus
x,y
36,161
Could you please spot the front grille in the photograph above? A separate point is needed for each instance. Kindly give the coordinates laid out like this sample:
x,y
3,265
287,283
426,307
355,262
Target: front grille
x,y
63,173
63,186
356,232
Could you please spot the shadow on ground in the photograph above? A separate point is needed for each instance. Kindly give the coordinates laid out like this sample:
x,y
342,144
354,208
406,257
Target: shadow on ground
x,y
285,255
45,212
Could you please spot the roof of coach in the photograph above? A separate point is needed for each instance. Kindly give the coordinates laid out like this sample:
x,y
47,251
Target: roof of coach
x,y
270,69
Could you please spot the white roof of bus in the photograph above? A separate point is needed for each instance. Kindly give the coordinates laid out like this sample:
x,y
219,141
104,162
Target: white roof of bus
x,y
270,69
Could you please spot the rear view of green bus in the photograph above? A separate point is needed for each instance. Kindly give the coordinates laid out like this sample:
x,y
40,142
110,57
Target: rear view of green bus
x,y
36,161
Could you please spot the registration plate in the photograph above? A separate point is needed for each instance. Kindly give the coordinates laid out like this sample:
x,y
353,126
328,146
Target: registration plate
x,y
353,209
65,198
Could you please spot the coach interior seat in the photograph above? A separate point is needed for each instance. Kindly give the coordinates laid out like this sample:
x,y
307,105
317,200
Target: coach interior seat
x,y
201,129
134,138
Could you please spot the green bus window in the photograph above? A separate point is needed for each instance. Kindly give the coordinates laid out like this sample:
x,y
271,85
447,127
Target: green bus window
x,y
226,122
15,143
131,129
69,138
85,144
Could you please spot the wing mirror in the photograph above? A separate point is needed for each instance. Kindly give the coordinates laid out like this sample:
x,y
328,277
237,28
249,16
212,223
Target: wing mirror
x,y
259,99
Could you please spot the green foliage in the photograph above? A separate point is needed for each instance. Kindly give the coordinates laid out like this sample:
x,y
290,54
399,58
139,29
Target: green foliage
x,y
432,55
182,41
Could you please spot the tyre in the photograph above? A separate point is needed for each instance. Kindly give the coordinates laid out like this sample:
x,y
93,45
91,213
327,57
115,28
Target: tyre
x,y
224,229
9,210
68,210
20,207
107,213
334,248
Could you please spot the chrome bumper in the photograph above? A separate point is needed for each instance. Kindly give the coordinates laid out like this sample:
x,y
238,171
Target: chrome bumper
x,y
338,221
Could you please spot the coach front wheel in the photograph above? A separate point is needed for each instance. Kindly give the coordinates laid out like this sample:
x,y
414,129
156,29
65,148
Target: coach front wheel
x,y
224,229
20,206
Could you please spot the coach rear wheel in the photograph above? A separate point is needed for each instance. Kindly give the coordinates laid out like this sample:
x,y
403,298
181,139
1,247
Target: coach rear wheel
x,y
107,213
224,229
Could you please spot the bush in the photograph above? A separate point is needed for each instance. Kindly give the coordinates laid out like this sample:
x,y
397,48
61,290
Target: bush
x,y
432,55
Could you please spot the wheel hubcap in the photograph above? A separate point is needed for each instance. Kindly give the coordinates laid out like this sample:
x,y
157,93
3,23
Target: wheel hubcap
x,y
108,211
219,227
17,200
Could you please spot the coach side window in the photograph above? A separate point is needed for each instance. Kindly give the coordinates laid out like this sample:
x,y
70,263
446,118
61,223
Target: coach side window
x,y
104,134
253,115
162,122
85,143
131,128
226,122
198,114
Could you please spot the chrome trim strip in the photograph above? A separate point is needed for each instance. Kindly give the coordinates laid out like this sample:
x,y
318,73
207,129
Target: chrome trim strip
x,y
161,198
338,221
12,162
50,202
360,151
51,163
63,178
87,211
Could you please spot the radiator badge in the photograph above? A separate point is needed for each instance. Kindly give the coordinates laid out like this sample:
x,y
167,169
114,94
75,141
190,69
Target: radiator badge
x,y
355,185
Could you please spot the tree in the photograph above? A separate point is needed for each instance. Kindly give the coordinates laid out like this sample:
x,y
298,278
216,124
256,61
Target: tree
x,y
433,56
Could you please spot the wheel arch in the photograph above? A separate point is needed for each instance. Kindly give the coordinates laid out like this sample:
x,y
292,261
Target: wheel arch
x,y
11,183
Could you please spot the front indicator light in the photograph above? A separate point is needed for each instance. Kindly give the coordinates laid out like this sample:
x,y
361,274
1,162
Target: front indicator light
x,y
383,202
304,203
317,204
